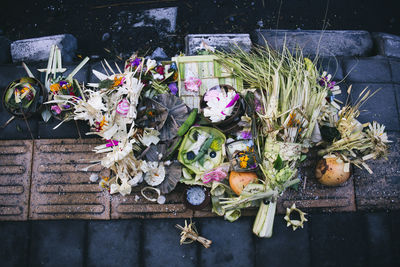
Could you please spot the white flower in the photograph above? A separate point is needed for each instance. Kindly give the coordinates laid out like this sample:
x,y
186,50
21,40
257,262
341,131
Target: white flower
x,y
158,76
150,64
94,177
217,109
150,136
125,188
96,101
118,153
138,178
114,188
155,174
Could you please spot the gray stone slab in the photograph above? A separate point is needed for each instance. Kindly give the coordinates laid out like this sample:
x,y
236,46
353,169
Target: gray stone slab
x,y
381,190
379,239
14,243
224,42
161,244
395,68
116,242
159,54
232,242
323,43
381,107
373,70
338,239
165,17
38,49
332,65
57,243
387,44
5,55
270,252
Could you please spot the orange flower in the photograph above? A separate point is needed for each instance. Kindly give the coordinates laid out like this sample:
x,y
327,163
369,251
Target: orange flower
x,y
55,87
243,161
243,164
117,81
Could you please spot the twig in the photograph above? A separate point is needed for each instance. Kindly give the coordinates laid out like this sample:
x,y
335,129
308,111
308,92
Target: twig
x,y
27,124
77,128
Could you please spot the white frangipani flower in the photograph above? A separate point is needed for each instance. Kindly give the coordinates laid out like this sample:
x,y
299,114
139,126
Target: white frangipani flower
x,y
155,173
218,105
150,136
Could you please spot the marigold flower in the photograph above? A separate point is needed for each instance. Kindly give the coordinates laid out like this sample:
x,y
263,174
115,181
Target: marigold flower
x,y
55,87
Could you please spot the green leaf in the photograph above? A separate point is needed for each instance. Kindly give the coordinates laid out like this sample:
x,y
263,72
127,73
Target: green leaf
x,y
106,84
303,158
278,163
295,187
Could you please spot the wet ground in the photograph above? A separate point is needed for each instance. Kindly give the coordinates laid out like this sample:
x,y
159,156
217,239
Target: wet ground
x,y
105,24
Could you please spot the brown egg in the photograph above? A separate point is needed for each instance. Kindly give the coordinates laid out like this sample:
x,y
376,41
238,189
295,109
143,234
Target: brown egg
x,y
331,171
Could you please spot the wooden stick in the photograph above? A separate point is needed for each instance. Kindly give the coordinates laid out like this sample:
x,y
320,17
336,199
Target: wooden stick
x,y
77,128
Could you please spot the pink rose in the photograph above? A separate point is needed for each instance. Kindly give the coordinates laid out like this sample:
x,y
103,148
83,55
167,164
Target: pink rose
x,y
192,84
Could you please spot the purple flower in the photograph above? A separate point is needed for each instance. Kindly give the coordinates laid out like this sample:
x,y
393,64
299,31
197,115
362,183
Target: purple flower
x,y
253,166
173,88
62,83
66,106
245,134
325,82
136,62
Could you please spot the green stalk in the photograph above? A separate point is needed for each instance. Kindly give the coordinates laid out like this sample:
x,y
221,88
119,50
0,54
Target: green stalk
x,y
264,222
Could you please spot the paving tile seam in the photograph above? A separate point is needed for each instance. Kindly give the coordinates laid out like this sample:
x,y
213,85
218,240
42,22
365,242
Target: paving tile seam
x,y
30,180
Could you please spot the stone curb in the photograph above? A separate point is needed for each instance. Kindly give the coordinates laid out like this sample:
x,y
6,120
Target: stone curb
x,y
37,49
327,43
224,42
387,44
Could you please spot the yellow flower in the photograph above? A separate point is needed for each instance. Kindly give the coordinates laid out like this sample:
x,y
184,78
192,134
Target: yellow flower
x,y
55,87
243,161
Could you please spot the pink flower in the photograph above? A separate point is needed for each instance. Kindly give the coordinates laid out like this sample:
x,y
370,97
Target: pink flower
x,y
214,175
111,143
192,84
211,94
123,107
56,109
